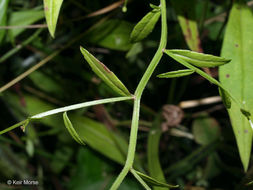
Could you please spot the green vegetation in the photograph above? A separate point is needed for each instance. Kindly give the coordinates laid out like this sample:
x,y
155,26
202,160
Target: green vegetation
x,y
180,133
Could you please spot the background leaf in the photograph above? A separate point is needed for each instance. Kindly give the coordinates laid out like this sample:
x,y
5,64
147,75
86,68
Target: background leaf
x,y
206,130
187,19
23,18
154,166
237,76
52,10
3,17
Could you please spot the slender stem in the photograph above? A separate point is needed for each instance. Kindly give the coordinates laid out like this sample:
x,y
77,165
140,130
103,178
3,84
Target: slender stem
x,y
80,105
14,126
20,46
140,179
205,75
139,90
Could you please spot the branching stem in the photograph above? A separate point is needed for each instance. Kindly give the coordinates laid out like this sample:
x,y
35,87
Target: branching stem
x,y
139,90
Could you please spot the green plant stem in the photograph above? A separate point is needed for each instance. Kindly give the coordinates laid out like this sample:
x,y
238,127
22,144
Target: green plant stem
x,y
205,75
140,179
14,126
139,90
20,46
80,105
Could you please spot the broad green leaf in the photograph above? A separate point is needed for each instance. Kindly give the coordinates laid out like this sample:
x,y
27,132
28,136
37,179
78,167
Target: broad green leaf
x,y
105,74
71,129
98,137
186,15
113,34
199,59
225,98
52,10
23,18
154,182
174,74
154,166
145,26
237,76
205,130
3,8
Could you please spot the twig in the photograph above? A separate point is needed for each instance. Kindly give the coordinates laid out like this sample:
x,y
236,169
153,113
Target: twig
x,y
23,26
221,17
200,102
101,11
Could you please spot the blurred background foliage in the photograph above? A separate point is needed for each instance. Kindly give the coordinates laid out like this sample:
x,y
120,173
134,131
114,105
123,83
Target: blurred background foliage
x,y
198,151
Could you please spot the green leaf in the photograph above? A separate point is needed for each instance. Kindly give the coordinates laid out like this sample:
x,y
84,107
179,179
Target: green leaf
x,y
186,15
99,138
225,98
23,18
154,166
105,74
154,182
174,74
145,26
205,130
52,10
113,34
237,76
199,59
71,129
3,8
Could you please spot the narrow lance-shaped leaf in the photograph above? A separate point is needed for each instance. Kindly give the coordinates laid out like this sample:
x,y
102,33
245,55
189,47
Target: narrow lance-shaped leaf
x,y
225,98
154,182
3,8
105,74
145,26
174,74
199,59
52,10
186,14
237,76
71,129
154,166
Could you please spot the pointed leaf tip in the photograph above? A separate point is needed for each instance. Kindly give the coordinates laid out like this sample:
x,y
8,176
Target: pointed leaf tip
x,y
199,59
71,129
52,10
105,74
225,98
174,74
155,182
146,25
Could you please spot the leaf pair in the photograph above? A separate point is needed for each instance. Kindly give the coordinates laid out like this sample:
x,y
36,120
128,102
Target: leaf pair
x,y
194,59
105,74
